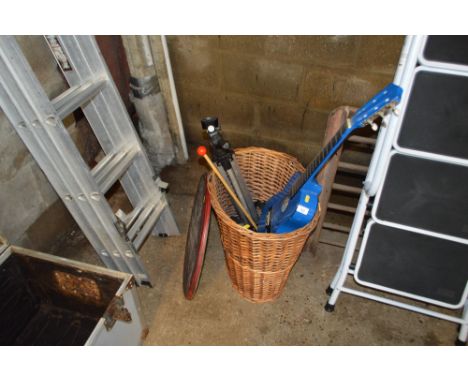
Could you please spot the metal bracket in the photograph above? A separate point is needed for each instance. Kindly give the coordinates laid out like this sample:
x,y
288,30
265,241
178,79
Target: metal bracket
x,y
161,184
120,225
116,311
142,87
130,284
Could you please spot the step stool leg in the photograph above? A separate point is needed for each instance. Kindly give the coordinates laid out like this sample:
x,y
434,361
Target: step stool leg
x,y
340,276
463,333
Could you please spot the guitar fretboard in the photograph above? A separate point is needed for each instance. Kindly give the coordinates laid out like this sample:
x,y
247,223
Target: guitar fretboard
x,y
317,163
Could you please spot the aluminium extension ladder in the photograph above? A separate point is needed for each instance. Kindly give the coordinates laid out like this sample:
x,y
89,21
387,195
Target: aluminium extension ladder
x,y
38,121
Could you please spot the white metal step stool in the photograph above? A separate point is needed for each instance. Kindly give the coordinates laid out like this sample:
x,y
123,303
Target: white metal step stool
x,y
404,252
38,121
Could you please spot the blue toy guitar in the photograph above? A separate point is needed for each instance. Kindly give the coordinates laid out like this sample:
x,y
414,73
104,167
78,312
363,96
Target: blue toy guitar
x,y
295,205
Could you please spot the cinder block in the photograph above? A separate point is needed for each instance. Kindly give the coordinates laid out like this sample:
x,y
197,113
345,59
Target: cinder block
x,y
291,122
193,42
14,153
232,132
335,51
270,124
278,119
355,91
21,204
304,151
327,90
244,44
51,224
41,187
379,53
240,138
261,76
318,90
313,127
195,67
193,134
230,108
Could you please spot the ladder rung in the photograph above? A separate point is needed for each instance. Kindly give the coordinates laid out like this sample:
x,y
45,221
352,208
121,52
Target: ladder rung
x,y
336,227
112,167
134,221
339,228
340,207
353,167
365,140
71,99
145,220
149,225
345,188
130,218
336,244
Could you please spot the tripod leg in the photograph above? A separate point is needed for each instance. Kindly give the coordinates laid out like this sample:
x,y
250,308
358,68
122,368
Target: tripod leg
x,y
243,189
229,180
237,188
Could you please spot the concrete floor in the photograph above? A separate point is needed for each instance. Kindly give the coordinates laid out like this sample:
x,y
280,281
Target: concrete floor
x,y
219,316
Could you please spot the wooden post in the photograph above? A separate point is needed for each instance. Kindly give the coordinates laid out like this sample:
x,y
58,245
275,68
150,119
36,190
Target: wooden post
x,y
326,177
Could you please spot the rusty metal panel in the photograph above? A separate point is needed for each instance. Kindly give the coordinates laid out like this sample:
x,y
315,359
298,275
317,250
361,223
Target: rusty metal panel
x,y
56,301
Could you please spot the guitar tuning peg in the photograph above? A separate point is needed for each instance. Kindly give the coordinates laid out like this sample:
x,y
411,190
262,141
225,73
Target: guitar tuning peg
x,y
374,126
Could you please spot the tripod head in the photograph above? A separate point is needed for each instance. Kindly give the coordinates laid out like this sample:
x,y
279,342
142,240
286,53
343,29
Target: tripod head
x,y
221,149
212,127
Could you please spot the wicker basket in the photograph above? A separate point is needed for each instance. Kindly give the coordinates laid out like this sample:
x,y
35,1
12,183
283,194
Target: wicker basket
x,y
258,263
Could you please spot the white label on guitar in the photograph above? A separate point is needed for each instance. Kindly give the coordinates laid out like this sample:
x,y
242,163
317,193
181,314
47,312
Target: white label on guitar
x,y
303,210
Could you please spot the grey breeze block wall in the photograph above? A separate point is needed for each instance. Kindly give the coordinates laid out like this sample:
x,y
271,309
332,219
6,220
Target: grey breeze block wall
x,y
277,91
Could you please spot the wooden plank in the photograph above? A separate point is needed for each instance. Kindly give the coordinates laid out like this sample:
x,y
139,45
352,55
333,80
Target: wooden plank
x,y
336,227
326,177
352,167
359,139
345,188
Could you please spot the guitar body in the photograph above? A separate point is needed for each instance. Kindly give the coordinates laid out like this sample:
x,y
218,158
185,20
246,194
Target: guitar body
x,y
299,211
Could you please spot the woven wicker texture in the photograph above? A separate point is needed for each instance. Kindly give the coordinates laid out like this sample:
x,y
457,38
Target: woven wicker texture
x,y
258,263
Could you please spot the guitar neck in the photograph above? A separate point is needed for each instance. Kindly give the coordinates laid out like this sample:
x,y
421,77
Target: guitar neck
x,y
321,158
377,105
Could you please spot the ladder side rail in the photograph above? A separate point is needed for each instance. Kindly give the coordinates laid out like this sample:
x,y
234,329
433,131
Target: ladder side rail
x,y
407,64
139,181
18,109
107,114
36,146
